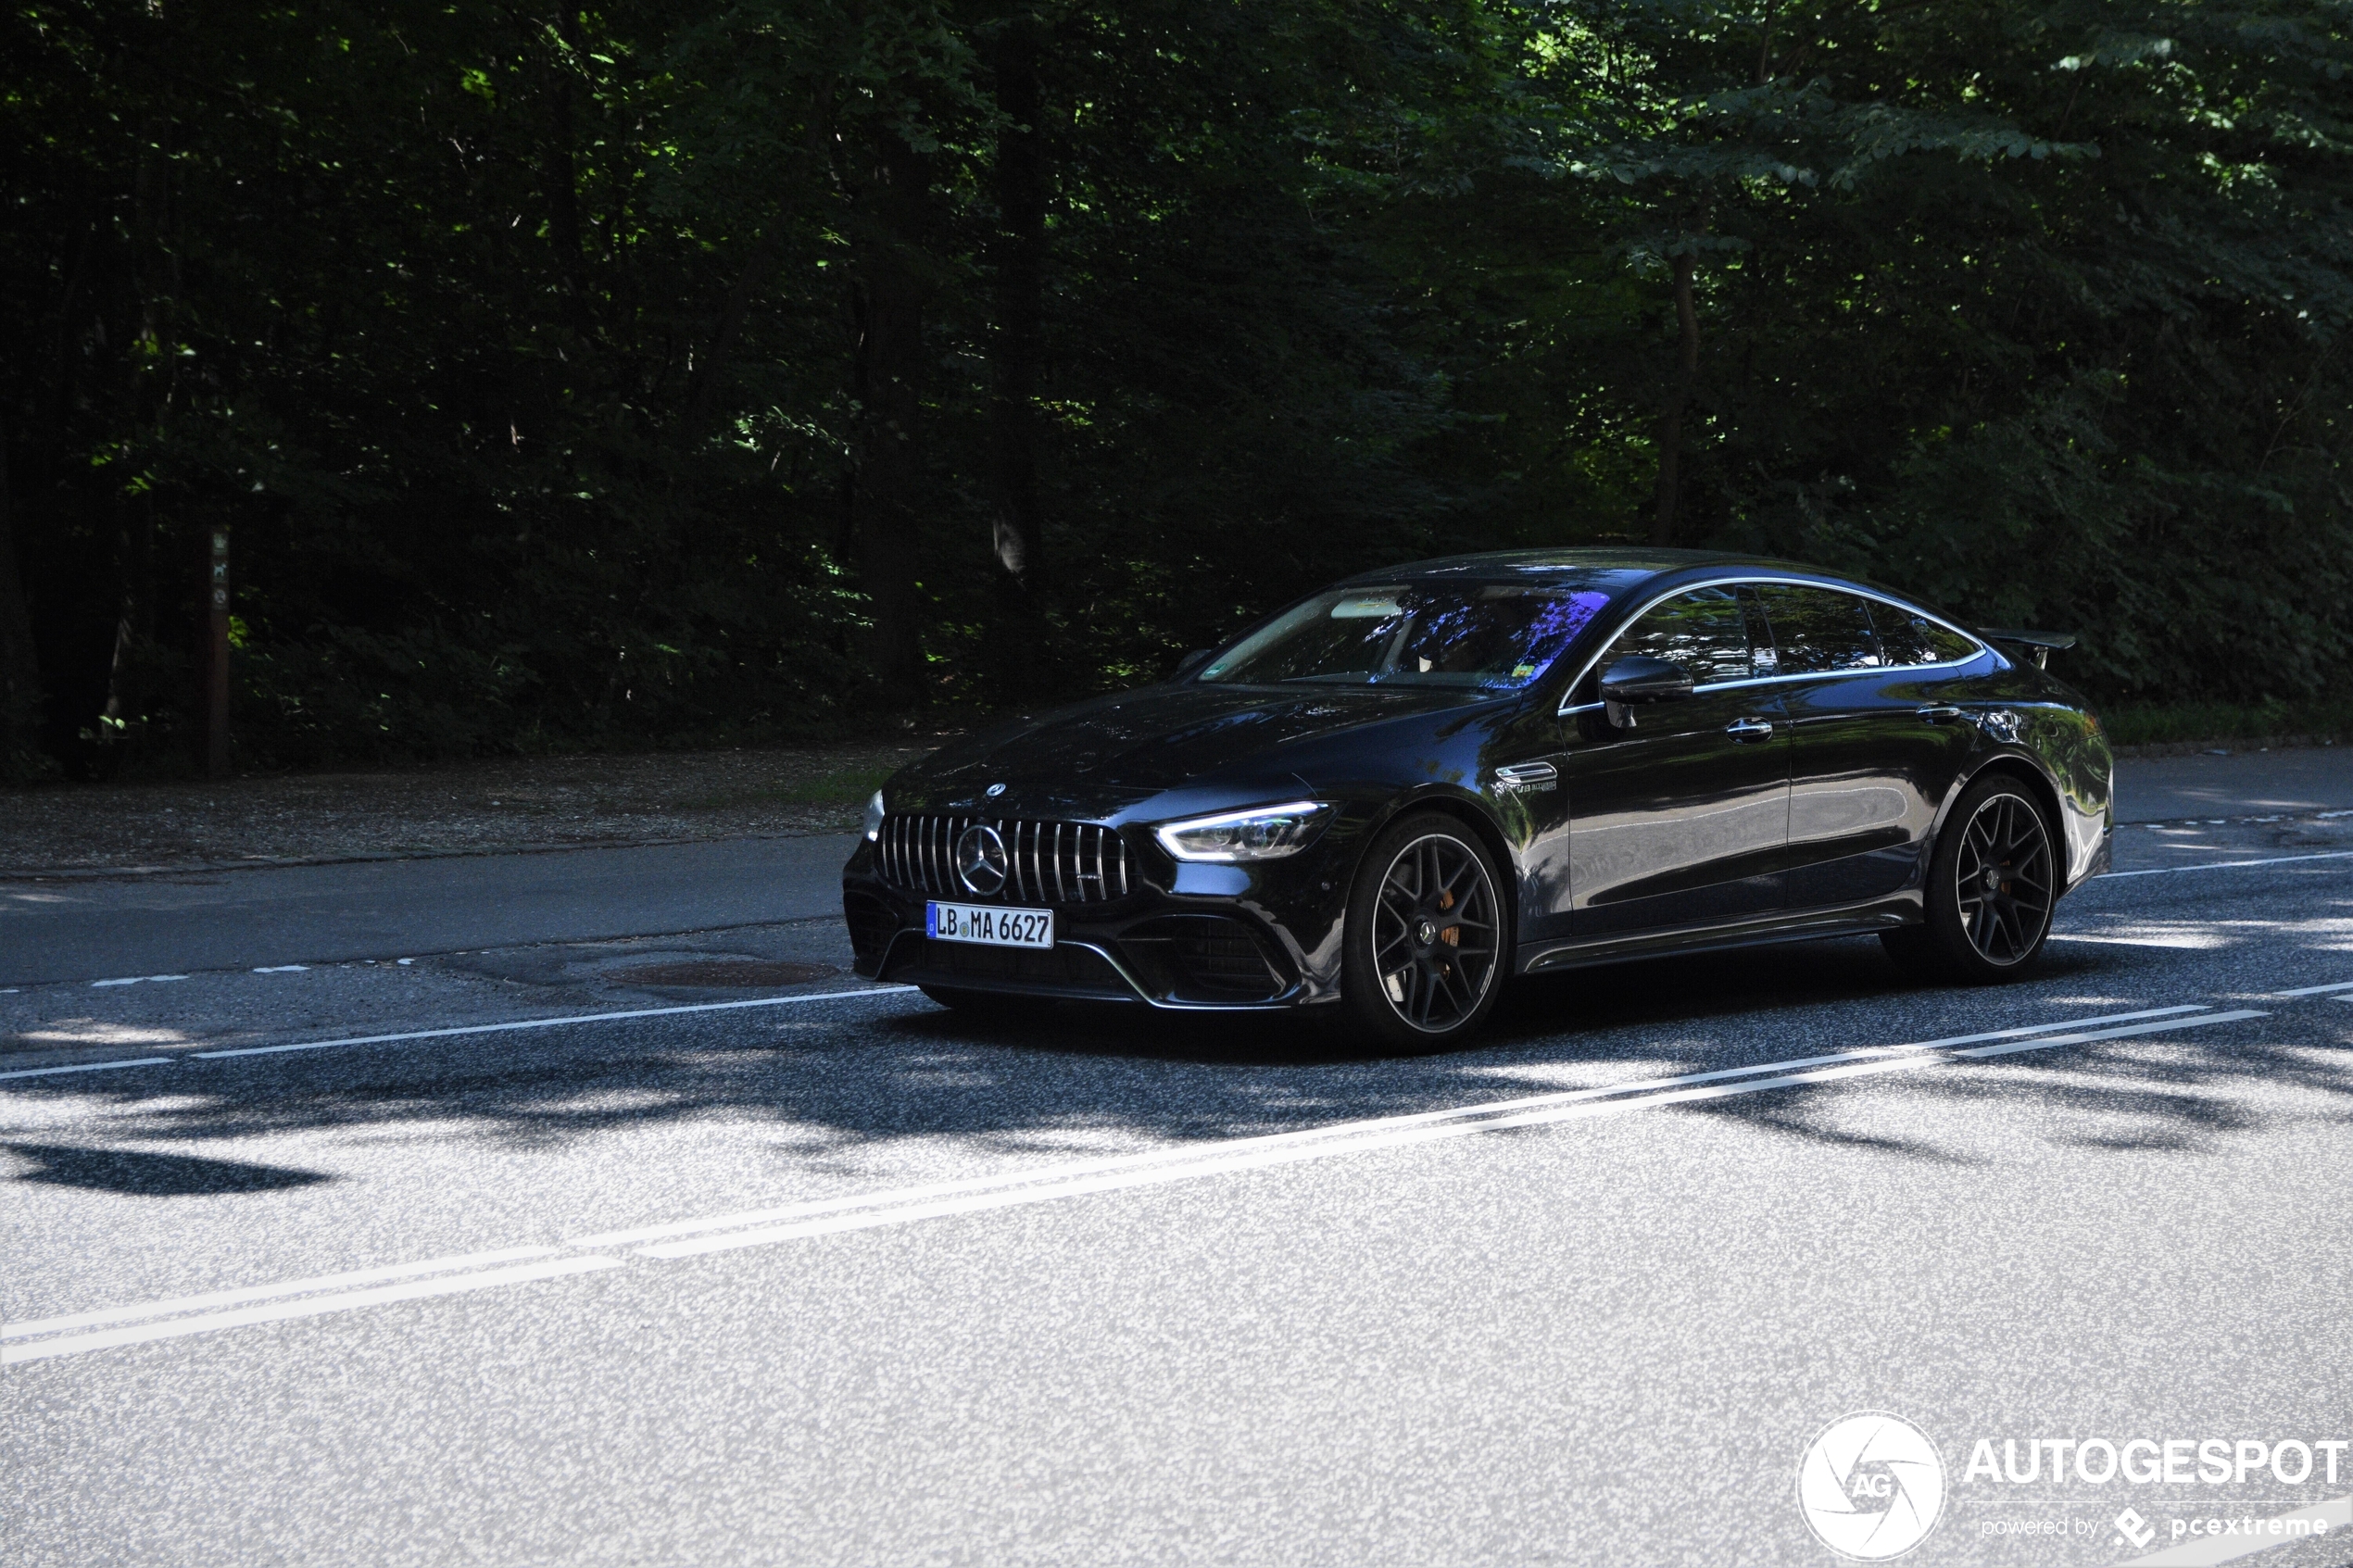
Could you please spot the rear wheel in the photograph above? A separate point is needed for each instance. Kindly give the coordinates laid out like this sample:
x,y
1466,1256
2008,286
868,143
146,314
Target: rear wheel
x,y
1424,952
1992,884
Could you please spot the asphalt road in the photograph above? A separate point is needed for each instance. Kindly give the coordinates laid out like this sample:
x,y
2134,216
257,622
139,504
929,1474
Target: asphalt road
x,y
94,928
841,1279
101,928
2315,777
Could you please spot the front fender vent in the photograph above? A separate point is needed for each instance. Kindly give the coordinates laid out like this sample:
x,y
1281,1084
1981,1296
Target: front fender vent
x,y
1048,862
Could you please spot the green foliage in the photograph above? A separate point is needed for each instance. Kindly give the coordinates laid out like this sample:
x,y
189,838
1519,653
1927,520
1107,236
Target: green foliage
x,y
560,377
2203,723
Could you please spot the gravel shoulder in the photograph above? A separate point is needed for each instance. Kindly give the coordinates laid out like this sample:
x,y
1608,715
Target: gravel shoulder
x,y
506,804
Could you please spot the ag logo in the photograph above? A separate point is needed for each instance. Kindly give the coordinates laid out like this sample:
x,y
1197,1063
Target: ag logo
x,y
1870,1486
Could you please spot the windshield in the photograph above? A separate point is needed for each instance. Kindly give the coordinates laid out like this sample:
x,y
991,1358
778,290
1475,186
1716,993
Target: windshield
x,y
1477,636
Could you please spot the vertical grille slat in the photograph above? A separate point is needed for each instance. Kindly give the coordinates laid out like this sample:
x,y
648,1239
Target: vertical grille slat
x,y
1046,862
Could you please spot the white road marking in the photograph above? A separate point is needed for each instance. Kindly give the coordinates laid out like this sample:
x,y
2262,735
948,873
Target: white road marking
x,y
2316,990
263,1292
2228,865
284,968
1309,1134
309,1307
2204,1017
1046,1184
1392,1133
553,1022
137,980
1363,1146
88,1067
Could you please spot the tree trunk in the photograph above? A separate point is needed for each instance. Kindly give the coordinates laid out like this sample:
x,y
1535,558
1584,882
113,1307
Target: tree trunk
x,y
1016,636
19,669
155,275
890,311
1670,423
562,177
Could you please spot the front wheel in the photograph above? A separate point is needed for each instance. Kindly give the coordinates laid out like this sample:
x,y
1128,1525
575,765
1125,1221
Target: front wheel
x,y
1992,884
1424,951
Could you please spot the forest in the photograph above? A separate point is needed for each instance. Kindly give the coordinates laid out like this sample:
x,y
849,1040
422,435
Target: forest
x,y
728,371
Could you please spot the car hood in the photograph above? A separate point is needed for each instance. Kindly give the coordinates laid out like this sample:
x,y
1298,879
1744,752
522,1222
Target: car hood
x,y
1165,737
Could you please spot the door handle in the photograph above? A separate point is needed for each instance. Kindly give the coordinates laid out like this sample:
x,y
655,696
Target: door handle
x,y
1749,729
1940,714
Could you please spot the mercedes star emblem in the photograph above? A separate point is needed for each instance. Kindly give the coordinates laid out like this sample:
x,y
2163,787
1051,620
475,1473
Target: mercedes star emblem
x,y
980,860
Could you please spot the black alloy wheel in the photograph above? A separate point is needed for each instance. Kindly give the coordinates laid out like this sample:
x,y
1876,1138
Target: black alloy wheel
x,y
1991,886
1426,936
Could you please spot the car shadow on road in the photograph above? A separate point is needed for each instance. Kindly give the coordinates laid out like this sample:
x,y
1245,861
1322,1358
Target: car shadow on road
x,y
142,1173
837,1087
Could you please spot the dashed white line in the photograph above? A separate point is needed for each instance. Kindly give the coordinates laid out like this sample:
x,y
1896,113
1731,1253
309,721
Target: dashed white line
x,y
1262,1158
88,1067
2316,990
137,980
1311,1135
284,968
2227,865
1357,1137
263,1292
552,1023
903,1206
309,1307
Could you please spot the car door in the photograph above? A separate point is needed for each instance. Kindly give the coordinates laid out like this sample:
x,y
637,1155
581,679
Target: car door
x,y
1872,753
1682,818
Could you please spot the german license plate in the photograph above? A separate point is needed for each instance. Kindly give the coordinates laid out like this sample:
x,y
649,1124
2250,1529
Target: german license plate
x,y
989,926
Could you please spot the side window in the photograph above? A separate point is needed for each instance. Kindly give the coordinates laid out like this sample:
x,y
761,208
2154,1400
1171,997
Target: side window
x,y
1816,630
1704,631
1906,638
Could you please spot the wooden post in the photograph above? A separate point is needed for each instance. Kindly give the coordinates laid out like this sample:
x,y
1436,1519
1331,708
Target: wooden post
x,y
216,750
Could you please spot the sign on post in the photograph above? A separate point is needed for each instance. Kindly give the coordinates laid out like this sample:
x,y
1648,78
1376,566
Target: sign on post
x,y
216,754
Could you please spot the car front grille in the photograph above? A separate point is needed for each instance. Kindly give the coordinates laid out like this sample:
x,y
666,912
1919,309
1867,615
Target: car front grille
x,y
872,923
1048,862
1202,959
1225,964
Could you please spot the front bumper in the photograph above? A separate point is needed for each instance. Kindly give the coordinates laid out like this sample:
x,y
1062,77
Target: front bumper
x,y
1187,936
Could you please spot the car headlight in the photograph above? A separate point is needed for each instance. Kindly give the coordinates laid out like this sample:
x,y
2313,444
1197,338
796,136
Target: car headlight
x,y
873,817
1263,833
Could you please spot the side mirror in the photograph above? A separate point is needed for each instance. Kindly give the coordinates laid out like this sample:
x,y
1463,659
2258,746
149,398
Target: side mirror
x,y
1190,662
1639,678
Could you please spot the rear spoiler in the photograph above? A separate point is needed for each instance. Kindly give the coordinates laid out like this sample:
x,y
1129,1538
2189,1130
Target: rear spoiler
x,y
2040,644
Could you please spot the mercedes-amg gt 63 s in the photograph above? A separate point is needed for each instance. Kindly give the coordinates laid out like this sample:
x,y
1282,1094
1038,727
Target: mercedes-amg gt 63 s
x,y
1391,797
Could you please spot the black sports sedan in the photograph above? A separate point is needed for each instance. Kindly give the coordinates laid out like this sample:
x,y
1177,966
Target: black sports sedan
x,y
1392,796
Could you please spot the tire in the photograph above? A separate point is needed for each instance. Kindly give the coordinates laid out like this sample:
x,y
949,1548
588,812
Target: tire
x,y
1993,882
1428,938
